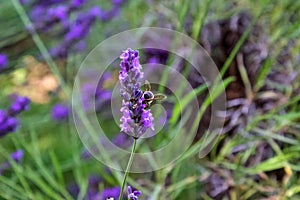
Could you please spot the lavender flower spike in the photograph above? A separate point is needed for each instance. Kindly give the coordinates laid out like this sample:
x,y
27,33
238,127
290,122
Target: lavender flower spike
x,y
133,195
136,119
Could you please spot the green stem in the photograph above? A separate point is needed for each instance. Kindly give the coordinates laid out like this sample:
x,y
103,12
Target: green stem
x,y
128,168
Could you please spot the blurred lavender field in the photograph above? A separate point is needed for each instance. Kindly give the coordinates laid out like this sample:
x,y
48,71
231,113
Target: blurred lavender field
x,y
254,45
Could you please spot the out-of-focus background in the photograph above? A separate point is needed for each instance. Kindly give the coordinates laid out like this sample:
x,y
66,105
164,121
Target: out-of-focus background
x,y
255,45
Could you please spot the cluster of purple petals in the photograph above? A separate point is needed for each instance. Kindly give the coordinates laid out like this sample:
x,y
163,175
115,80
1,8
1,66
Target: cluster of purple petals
x,y
7,123
3,61
15,156
8,120
60,112
54,17
136,119
112,193
133,195
19,105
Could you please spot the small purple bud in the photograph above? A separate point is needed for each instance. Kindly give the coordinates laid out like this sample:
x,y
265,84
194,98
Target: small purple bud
x,y
12,124
60,112
60,12
7,123
95,11
111,193
3,61
17,155
133,195
20,104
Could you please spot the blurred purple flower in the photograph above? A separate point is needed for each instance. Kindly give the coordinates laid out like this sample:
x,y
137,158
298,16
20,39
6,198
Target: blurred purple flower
x,y
93,192
109,14
101,96
122,140
136,119
16,156
7,123
3,61
77,3
153,60
111,193
60,112
73,189
47,14
133,195
58,13
93,189
80,46
76,32
20,104
95,11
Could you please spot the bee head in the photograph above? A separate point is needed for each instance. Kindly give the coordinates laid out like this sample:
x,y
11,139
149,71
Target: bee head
x,y
148,95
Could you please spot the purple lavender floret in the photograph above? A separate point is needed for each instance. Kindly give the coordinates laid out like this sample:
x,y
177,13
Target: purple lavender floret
x,y
7,123
93,189
20,104
133,195
77,3
3,61
82,25
109,14
17,155
136,119
60,112
93,192
58,13
111,193
8,120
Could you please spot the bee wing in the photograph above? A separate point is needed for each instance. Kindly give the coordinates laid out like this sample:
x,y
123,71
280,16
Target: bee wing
x,y
147,86
159,97
151,104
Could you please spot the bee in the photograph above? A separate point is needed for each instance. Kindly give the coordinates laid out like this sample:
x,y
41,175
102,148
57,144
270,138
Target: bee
x,y
149,98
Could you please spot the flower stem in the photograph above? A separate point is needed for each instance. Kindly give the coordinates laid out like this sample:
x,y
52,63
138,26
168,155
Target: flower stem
x,y
128,168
